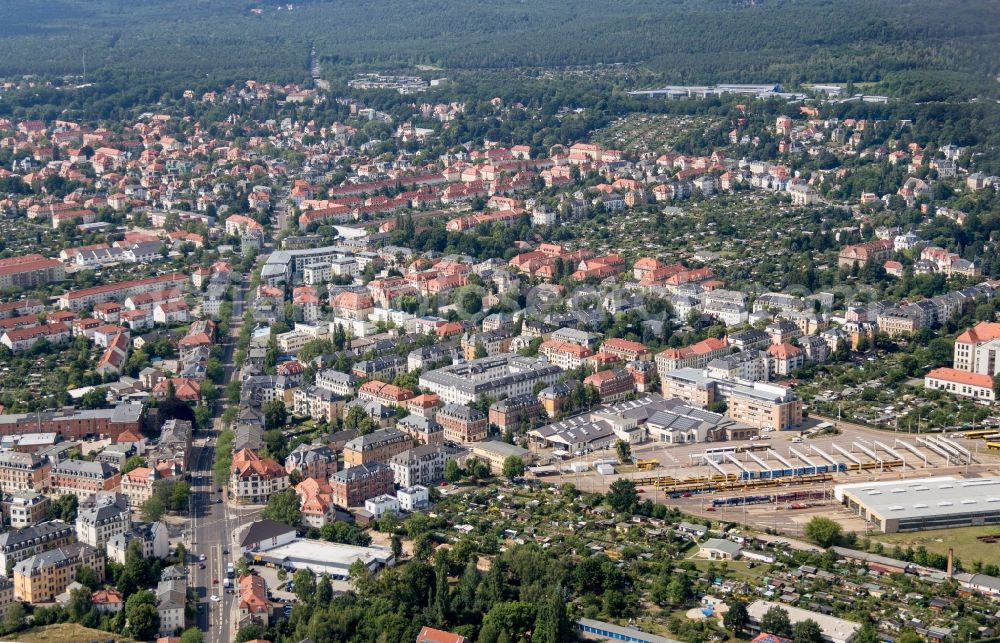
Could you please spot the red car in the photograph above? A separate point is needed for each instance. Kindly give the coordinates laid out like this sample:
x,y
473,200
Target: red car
x,y
215,581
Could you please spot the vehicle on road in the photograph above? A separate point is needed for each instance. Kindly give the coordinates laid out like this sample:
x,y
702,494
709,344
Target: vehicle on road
x,y
201,557
201,565
216,599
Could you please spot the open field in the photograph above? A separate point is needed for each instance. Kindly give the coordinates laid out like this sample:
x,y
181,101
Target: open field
x,y
62,632
962,540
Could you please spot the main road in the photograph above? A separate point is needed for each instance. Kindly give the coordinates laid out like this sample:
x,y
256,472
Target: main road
x,y
213,521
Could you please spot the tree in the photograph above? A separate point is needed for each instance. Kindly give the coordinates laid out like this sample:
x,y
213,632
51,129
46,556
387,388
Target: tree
x,y
397,547
153,508
181,553
622,495
180,493
776,622
737,617
134,462
513,466
305,586
275,414
452,472
624,451
807,631
80,602
15,617
679,589
95,398
141,615
88,577
823,531
192,635
284,507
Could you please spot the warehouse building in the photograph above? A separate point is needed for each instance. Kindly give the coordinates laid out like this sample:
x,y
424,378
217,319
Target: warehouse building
x,y
929,503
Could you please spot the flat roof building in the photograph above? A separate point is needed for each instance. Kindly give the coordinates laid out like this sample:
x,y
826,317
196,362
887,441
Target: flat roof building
x,y
929,503
835,630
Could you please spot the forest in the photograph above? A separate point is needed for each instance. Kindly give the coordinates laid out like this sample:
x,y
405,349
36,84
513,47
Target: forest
x,y
903,45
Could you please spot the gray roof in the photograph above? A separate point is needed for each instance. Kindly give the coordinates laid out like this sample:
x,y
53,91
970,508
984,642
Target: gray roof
x,y
723,545
359,471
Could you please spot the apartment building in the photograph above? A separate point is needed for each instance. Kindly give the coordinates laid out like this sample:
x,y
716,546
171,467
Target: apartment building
x,y
342,384
312,461
626,350
253,479
507,414
462,424
317,403
87,297
102,517
152,537
565,355
422,465
695,356
82,478
378,446
751,365
612,385
315,502
977,349
24,508
43,576
30,271
75,424
352,486
19,544
21,339
23,471
498,377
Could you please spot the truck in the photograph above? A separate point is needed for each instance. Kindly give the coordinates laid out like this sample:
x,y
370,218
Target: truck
x,y
230,571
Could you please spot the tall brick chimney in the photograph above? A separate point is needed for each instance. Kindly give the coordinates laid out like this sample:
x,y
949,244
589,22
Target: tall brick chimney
x,y
951,562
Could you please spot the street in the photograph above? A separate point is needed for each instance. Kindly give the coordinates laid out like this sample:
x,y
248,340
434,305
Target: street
x,y
212,528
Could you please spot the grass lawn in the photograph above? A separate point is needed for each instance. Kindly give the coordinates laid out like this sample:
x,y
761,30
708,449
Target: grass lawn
x,y
737,568
962,540
62,632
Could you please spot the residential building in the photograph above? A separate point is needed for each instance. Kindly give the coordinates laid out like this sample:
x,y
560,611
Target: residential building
x,y
254,479
381,505
19,544
497,377
152,537
509,413
421,465
413,498
171,602
462,424
102,517
352,486
312,461
316,502
977,349
612,385
254,605
378,446
23,471
82,478
317,403
24,508
785,358
695,356
343,384
43,576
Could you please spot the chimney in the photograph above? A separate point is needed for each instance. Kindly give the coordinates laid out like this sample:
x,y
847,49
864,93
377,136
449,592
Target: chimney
x,y
951,562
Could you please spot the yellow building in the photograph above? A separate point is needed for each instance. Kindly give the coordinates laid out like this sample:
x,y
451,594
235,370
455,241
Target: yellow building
x,y
44,576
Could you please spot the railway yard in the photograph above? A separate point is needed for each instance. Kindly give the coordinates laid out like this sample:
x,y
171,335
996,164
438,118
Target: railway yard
x,y
781,481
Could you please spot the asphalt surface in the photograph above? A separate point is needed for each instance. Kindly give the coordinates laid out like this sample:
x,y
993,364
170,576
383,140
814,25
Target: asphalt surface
x,y
211,544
